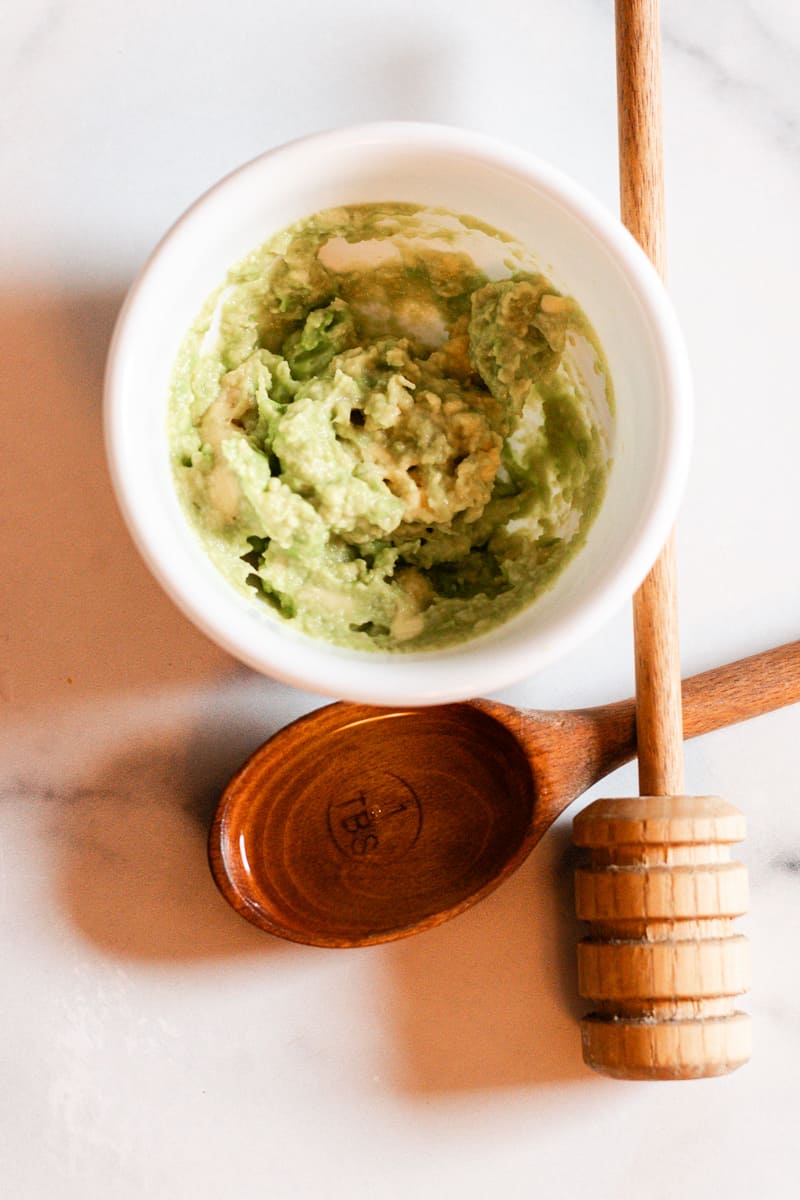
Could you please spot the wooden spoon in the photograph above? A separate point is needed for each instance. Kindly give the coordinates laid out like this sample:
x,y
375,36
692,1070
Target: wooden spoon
x,y
357,825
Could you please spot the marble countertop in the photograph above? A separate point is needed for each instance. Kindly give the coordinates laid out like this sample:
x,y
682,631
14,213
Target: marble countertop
x,y
154,1044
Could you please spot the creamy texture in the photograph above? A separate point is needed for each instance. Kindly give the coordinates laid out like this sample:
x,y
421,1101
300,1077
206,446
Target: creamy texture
x,y
389,444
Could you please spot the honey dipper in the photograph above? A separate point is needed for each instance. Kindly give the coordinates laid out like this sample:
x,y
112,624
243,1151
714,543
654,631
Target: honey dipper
x,y
663,963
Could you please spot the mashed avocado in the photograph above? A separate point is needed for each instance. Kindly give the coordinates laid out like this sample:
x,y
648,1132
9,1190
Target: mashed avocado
x,y
390,445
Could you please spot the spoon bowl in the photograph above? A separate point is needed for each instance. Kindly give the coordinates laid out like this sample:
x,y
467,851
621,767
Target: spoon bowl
x,y
356,825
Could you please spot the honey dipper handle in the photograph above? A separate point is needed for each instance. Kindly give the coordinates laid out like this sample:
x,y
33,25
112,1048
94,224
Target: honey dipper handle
x,y
641,164
659,713
655,607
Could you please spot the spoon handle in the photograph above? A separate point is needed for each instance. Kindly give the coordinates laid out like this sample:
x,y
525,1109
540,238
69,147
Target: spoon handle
x,y
607,734
741,690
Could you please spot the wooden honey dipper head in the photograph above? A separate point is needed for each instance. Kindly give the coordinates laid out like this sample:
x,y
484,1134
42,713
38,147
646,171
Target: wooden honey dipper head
x,y
663,963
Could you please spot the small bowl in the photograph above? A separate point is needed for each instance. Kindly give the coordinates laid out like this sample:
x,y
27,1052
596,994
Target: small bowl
x,y
588,254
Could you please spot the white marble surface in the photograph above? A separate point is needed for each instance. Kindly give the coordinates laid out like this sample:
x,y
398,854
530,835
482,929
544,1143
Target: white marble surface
x,y
152,1043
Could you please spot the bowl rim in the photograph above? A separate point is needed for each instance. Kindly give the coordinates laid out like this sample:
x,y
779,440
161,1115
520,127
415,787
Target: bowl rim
x,y
484,664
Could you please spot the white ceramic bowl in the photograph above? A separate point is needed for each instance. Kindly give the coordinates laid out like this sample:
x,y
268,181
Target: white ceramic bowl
x,y
588,254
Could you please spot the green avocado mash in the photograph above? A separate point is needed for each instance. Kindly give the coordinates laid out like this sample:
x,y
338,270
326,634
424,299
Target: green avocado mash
x,y
391,443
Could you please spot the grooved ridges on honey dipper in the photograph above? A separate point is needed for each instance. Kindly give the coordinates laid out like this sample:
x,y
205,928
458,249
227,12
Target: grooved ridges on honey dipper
x,y
659,820
680,1049
663,961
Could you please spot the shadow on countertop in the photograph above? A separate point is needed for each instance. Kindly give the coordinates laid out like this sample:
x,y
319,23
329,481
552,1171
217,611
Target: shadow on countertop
x,y
479,1003
135,720
486,1001
83,615
490,1000
134,877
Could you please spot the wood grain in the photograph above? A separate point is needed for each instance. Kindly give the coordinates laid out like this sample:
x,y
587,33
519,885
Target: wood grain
x,y
659,892
655,605
741,690
658,680
662,962
356,825
571,750
639,123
